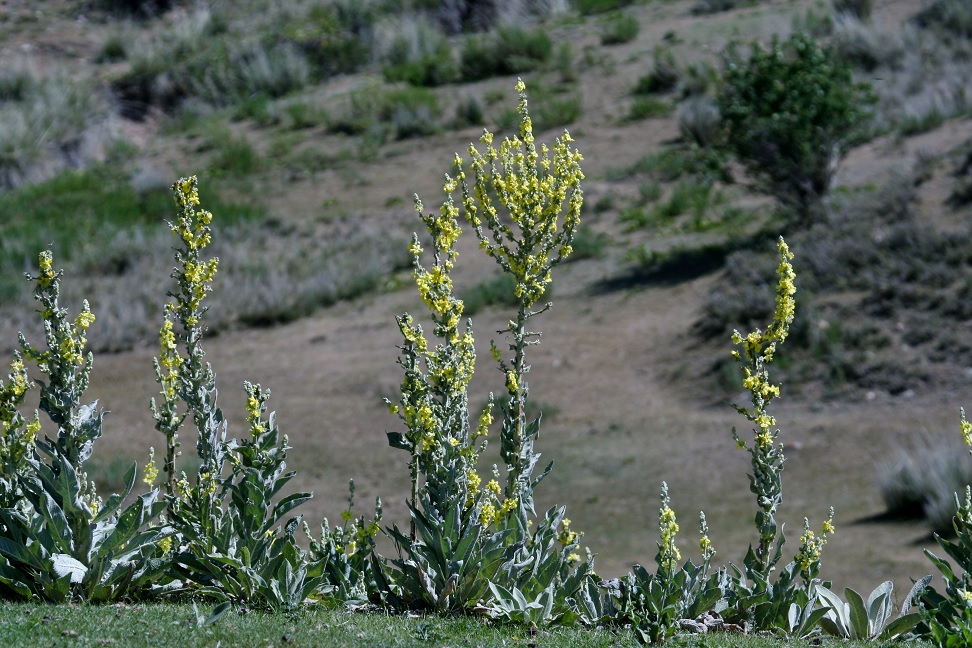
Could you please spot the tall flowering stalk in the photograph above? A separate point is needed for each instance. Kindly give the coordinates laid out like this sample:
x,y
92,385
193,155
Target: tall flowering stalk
x,y
234,543
531,237
67,366
68,372
757,352
668,553
188,379
434,401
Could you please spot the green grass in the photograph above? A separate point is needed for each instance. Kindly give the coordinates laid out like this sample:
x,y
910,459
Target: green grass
x,y
179,624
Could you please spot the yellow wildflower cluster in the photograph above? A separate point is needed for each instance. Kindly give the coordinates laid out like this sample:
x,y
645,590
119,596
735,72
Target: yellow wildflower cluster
x,y
485,420
47,273
193,227
151,472
256,399
490,513
966,429
169,360
811,546
668,552
567,537
435,285
72,342
16,435
165,544
533,187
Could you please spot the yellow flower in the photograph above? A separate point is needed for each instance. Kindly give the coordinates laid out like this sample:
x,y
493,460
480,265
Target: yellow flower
x,y
511,382
151,472
487,513
474,481
966,428
346,515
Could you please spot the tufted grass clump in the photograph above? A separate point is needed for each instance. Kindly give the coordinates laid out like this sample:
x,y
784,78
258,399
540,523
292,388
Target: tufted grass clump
x,y
619,28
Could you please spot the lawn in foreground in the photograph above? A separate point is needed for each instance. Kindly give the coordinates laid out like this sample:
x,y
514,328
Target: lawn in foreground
x,y
183,625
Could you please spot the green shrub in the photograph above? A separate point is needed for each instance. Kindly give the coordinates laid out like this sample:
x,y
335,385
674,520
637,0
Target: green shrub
x,y
434,68
557,109
700,123
509,50
333,36
233,155
789,113
469,112
564,63
618,29
698,79
664,74
497,291
139,8
47,123
381,112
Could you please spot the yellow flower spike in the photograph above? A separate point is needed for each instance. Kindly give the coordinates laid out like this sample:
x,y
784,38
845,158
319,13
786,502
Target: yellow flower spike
x,y
966,429
487,514
151,472
511,382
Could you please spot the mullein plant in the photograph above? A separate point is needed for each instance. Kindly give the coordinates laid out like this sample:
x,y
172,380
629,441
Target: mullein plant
x,y
465,535
947,618
231,545
450,552
654,603
787,603
346,551
59,540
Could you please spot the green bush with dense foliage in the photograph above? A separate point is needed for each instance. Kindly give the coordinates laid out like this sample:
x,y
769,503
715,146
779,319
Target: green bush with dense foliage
x,y
790,111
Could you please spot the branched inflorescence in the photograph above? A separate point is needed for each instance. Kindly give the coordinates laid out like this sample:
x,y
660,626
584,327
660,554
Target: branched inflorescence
x,y
528,240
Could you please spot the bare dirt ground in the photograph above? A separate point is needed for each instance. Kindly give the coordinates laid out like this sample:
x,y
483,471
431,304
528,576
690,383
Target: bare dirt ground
x,y
617,421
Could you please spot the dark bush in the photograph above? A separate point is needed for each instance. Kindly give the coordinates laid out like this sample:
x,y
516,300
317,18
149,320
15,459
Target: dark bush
x,y
789,113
